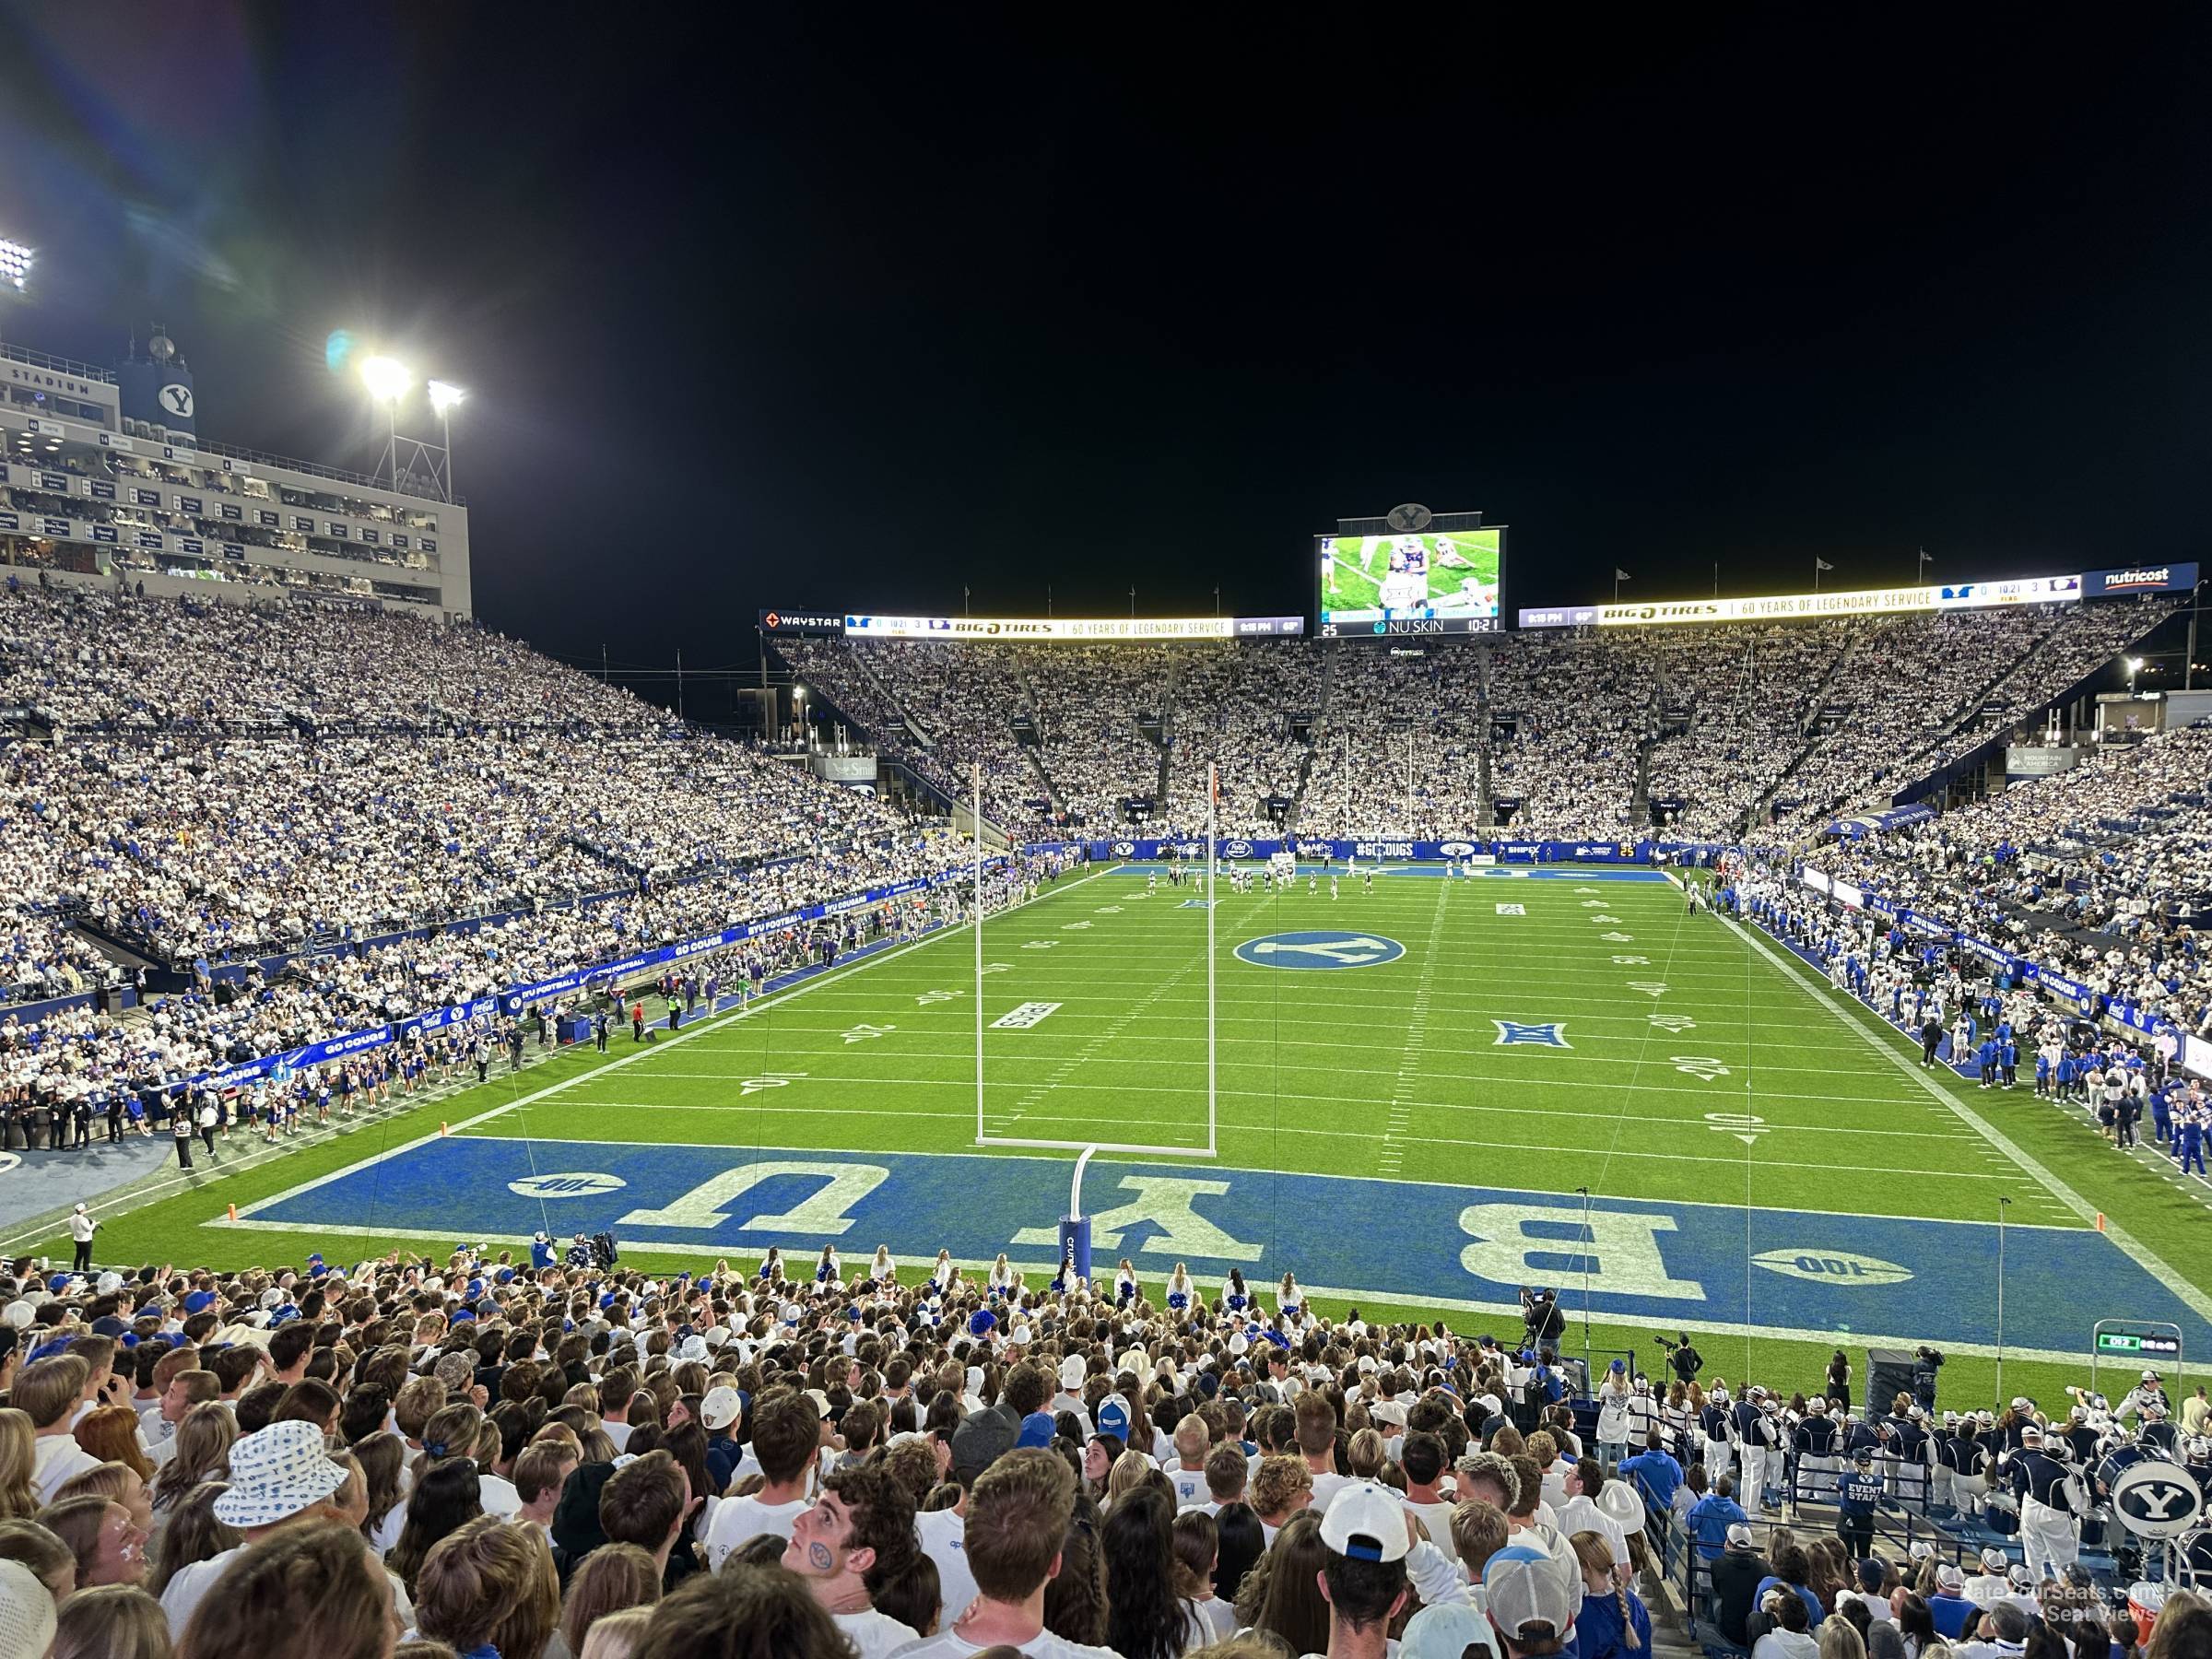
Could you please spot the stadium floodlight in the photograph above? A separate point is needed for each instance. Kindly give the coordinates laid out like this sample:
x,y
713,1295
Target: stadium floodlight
x,y
443,397
14,262
387,381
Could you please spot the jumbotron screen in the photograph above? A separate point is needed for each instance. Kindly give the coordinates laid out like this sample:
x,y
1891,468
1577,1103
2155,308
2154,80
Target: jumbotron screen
x,y
1436,581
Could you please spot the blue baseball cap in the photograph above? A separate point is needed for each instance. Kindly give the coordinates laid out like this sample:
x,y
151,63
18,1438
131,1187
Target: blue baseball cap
x,y
1037,1429
1114,1418
199,1302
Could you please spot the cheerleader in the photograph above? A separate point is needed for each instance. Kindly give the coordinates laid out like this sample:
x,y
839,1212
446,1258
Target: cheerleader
x,y
1179,1289
883,1270
1234,1297
941,1275
1004,1280
1289,1297
1064,1282
1124,1284
771,1266
829,1270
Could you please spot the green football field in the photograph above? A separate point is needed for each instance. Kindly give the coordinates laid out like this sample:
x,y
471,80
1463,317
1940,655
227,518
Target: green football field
x,y
1427,1095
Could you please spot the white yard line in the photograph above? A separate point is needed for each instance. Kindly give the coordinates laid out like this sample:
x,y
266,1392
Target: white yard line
x,y
728,1019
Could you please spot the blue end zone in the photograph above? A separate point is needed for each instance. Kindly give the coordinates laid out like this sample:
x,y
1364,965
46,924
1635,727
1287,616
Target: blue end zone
x,y
1776,1273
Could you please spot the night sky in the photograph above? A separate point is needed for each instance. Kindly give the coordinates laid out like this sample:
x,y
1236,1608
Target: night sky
x,y
853,308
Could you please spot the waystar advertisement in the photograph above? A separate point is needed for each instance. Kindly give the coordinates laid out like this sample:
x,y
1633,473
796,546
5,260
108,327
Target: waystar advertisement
x,y
1069,629
1437,581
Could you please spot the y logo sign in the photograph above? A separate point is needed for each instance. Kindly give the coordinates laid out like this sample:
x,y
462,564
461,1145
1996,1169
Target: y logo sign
x,y
1319,950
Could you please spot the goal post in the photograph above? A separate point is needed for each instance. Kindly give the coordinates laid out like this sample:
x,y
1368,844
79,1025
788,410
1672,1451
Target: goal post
x,y
984,1134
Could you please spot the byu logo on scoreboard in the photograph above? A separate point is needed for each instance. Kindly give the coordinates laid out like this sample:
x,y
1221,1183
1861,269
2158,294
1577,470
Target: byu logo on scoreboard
x,y
1549,1034
1321,949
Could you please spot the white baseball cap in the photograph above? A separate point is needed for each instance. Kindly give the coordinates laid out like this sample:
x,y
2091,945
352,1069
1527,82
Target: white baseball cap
x,y
721,1407
1367,1522
27,1615
1523,1586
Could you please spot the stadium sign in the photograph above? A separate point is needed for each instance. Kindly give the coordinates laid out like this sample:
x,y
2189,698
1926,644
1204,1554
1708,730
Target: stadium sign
x,y
1785,607
802,622
2141,578
1059,630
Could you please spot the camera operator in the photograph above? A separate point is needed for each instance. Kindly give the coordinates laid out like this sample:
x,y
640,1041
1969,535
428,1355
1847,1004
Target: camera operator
x,y
1685,1360
1541,1316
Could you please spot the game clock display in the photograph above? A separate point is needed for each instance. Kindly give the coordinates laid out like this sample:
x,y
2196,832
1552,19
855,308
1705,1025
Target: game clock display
x,y
1433,581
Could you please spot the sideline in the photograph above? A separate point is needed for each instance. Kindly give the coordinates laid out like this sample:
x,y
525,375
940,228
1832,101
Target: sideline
x,y
2141,1253
713,1022
128,1200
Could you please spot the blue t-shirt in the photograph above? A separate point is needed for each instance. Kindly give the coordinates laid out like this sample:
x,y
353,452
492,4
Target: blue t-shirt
x,y
1813,1610
1656,1475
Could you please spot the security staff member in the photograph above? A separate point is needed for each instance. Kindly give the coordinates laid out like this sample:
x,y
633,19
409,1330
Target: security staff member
x,y
1858,1495
2049,1537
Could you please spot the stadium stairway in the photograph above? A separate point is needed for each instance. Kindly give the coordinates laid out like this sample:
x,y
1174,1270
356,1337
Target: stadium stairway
x,y
117,950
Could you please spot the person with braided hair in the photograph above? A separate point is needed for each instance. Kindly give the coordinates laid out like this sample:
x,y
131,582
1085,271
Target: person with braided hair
x,y
1612,1623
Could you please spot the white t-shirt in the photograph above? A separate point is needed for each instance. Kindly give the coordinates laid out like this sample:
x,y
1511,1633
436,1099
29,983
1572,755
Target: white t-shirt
x,y
190,1585
1581,1515
498,1496
1190,1486
1437,1518
948,1645
1327,1487
384,1536
1786,1644
873,1634
944,1540
58,1458
617,1432
738,1519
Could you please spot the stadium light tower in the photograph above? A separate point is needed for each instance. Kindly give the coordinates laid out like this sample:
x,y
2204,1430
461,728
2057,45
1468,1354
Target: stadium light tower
x,y
389,382
16,260
443,397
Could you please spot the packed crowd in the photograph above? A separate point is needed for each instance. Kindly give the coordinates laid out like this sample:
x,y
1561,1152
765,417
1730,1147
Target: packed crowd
x,y
78,1075
1232,713
1745,695
1708,731
538,1453
1399,750
225,783
2040,871
1924,689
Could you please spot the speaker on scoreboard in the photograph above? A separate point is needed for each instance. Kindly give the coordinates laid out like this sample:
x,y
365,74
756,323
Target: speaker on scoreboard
x,y
1889,1374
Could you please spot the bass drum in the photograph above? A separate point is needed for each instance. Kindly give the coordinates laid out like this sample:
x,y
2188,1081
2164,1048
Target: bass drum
x,y
2121,1459
2192,1558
